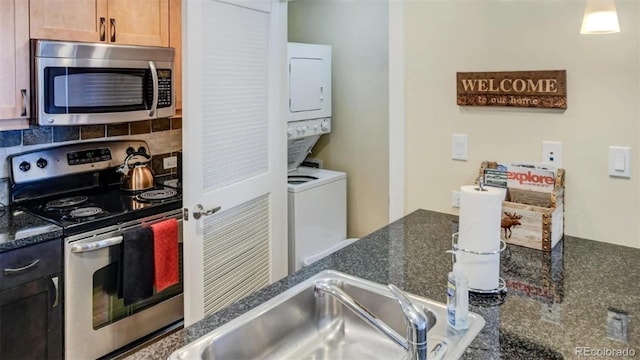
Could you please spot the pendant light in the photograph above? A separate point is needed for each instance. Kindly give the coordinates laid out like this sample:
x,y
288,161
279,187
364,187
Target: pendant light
x,y
600,17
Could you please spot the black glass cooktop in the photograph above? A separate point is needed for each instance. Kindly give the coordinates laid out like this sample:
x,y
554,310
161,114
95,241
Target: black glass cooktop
x,y
100,207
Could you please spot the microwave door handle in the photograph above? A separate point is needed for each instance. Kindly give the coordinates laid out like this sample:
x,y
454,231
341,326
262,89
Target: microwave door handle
x,y
154,76
96,245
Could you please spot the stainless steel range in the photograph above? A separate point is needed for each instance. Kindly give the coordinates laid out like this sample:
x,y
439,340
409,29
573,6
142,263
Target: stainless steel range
x,y
78,188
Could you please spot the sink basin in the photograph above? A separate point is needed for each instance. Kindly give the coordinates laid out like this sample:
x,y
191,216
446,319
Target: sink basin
x,y
297,325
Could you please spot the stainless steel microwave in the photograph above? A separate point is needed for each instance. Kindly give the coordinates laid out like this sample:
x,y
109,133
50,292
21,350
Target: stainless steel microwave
x,y
84,83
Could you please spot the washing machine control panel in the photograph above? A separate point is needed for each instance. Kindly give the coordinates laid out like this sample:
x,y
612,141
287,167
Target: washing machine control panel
x,y
304,128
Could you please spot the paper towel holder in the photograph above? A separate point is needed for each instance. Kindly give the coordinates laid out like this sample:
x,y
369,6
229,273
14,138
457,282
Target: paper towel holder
x,y
502,287
480,185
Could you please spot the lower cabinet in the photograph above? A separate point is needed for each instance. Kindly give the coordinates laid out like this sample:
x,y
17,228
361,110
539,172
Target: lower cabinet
x,y
31,317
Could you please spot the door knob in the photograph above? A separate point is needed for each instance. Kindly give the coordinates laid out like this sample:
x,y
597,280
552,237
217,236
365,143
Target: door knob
x,y
200,211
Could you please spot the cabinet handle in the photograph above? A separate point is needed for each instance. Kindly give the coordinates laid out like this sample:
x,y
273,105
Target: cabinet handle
x,y
15,271
24,102
113,29
55,292
103,29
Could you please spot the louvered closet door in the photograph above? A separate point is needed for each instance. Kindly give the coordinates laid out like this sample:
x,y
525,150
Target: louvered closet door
x,y
234,150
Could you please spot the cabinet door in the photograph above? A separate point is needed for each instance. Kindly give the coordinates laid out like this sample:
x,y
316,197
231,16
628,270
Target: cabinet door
x,y
31,320
139,22
70,20
175,41
14,62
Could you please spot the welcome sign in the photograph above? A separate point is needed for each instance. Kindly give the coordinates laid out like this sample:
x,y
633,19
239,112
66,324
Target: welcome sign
x,y
538,89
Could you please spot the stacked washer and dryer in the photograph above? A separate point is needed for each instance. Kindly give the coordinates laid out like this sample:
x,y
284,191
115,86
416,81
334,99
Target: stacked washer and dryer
x,y
317,198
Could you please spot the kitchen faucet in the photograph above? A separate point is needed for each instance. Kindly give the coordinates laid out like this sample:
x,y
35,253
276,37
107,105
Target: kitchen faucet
x,y
417,323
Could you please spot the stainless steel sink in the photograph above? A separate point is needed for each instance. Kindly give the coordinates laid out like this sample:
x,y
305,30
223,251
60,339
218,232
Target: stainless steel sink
x,y
298,325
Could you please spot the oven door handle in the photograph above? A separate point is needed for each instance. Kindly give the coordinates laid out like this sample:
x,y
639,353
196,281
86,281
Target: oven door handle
x,y
96,245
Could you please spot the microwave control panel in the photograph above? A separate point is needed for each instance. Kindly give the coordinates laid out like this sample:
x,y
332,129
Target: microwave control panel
x,y
164,88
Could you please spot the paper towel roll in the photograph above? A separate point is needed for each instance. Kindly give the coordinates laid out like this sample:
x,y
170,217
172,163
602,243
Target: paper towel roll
x,y
479,230
483,271
480,218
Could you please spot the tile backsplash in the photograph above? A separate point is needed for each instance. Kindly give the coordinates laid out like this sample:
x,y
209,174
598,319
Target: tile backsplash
x,y
164,137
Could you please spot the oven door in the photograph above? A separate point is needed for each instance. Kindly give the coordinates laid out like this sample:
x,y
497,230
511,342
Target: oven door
x,y
96,321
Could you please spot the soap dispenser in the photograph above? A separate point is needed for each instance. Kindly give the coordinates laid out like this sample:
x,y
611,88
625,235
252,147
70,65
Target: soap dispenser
x,y
457,297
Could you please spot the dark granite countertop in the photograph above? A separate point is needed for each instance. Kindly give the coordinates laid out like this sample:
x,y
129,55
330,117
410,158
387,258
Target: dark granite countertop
x,y
19,229
558,304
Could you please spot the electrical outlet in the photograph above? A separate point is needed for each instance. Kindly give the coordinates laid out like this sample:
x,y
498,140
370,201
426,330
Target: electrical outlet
x,y
170,162
552,153
455,199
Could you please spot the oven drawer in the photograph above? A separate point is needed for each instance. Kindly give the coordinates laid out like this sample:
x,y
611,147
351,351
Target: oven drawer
x,y
32,262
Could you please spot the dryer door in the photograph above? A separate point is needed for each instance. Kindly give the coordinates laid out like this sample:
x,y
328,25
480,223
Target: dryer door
x,y
307,84
309,81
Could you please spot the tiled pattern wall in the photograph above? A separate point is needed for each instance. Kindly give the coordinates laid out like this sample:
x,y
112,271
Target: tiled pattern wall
x,y
164,137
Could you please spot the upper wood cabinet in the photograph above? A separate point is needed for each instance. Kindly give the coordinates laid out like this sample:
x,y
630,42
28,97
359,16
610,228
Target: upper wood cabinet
x,y
132,22
175,41
139,22
14,62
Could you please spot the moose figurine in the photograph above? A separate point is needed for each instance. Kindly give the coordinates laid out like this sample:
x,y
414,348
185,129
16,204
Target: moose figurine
x,y
509,221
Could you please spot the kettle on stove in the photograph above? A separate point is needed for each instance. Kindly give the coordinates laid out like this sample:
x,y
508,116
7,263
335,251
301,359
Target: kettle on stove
x,y
138,176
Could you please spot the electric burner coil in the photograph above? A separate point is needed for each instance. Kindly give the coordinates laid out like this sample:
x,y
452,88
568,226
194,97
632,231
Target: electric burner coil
x,y
66,202
156,195
85,212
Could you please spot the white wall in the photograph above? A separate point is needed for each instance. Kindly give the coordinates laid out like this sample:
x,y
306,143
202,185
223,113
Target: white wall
x,y
358,143
603,85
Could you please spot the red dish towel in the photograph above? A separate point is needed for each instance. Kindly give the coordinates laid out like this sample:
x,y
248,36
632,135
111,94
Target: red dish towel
x,y
165,238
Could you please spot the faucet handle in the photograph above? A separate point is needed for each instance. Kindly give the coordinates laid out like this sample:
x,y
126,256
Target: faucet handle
x,y
417,323
411,312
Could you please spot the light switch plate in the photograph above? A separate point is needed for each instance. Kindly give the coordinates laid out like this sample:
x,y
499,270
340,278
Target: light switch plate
x,y
620,161
460,147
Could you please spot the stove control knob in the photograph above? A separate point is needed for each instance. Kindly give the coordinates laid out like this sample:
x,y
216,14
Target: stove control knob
x,y
24,166
41,163
290,131
325,126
